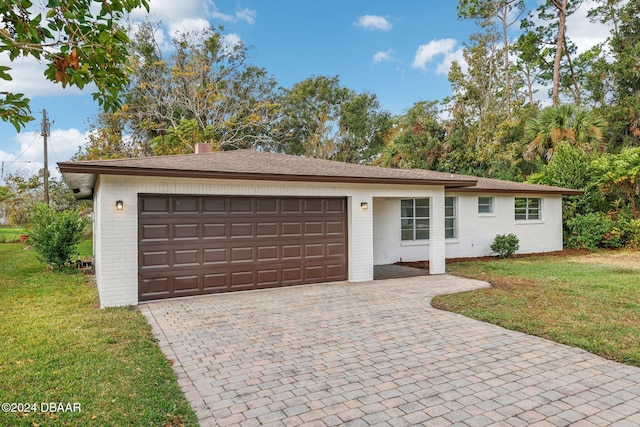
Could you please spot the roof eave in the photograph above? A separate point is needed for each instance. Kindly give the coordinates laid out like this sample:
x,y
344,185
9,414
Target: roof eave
x,y
78,168
550,190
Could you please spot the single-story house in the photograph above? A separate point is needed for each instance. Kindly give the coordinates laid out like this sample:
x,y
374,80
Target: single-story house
x,y
203,223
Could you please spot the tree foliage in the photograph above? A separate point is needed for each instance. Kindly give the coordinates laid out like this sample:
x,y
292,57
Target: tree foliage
x,y
563,123
323,119
204,92
79,40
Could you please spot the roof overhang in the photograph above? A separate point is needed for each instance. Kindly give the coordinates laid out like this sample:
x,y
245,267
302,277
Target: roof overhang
x,y
81,177
550,190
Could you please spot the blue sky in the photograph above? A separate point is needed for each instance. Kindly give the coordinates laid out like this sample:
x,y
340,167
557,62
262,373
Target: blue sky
x,y
401,51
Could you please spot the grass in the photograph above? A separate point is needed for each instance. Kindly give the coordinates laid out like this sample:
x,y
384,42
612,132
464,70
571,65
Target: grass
x,y
58,346
581,303
10,233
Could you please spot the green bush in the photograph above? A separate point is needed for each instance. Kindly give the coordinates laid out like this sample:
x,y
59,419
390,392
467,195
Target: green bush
x,y
505,245
55,235
632,233
589,231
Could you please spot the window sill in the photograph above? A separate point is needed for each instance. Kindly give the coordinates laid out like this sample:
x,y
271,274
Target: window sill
x,y
529,221
486,215
451,241
414,243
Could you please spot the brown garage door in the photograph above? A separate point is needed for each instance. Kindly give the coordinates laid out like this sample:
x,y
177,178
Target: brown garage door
x,y
192,245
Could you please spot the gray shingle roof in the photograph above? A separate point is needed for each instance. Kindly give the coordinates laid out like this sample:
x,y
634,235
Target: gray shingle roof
x,y
255,165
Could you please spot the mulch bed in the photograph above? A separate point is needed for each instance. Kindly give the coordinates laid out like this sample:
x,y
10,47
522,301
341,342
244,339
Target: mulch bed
x,y
564,252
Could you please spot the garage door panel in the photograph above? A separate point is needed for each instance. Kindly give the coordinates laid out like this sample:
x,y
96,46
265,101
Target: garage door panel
x,y
185,284
242,254
185,258
191,245
239,230
186,231
242,279
151,205
267,253
158,286
336,249
215,282
314,206
313,228
291,275
290,206
267,229
155,233
214,231
291,229
291,252
268,278
214,206
313,272
215,256
186,205
267,206
315,250
160,259
240,205
335,228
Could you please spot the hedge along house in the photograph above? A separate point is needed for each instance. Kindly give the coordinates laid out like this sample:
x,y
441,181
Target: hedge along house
x,y
204,223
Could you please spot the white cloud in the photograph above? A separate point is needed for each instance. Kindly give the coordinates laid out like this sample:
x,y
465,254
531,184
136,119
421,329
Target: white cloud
x,y
456,55
373,22
246,14
29,152
28,78
171,10
383,56
584,33
436,48
185,25
230,41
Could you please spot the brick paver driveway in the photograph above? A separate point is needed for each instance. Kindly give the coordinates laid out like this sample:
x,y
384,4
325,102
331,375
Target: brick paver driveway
x,y
377,353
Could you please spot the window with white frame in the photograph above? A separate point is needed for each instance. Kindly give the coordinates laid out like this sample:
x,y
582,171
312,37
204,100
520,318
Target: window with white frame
x,y
485,205
528,208
414,219
450,217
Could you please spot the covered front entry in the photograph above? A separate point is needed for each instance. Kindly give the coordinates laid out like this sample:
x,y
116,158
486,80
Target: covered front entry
x,y
193,245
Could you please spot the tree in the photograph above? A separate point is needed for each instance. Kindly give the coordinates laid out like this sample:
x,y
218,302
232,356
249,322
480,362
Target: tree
x,y
323,119
205,90
108,139
418,140
79,40
563,123
506,12
619,175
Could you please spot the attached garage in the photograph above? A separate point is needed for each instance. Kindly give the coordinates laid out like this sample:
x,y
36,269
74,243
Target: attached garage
x,y
194,245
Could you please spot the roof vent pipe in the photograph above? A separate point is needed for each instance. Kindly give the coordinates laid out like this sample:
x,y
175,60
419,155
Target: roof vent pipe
x,y
203,148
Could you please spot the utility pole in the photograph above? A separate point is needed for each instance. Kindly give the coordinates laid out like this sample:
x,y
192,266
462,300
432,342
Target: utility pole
x,y
45,133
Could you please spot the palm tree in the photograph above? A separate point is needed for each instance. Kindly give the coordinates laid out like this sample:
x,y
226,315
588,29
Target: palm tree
x,y
578,127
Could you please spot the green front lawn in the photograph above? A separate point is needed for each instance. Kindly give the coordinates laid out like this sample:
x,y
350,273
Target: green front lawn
x,y
58,346
10,234
591,302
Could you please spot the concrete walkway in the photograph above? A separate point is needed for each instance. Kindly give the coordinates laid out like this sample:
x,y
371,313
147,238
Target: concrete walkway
x,y
378,354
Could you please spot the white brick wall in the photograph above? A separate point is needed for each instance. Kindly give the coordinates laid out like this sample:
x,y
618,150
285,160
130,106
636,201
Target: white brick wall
x,y
475,231
373,235
117,231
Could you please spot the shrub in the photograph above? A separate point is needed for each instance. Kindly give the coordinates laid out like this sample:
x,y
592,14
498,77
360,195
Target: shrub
x,y
588,231
632,232
54,235
505,245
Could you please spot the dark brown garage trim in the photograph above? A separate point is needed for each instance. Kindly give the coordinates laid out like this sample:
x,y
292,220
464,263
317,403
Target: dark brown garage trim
x,y
194,245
